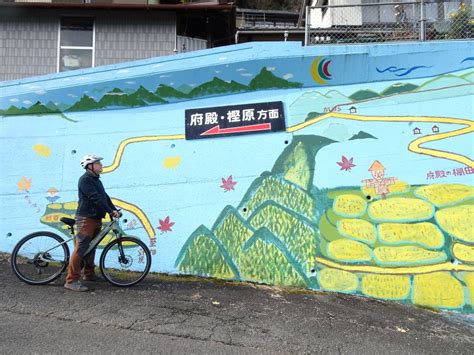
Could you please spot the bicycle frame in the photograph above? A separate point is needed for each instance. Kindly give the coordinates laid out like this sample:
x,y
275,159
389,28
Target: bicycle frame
x,y
111,226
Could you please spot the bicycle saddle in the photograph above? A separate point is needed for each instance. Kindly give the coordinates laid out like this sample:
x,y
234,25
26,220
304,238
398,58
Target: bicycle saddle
x,y
69,221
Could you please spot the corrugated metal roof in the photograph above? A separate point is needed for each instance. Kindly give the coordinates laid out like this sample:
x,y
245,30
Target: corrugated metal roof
x,y
147,7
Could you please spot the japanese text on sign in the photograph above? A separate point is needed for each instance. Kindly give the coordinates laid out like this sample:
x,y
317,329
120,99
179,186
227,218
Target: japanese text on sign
x,y
233,116
234,120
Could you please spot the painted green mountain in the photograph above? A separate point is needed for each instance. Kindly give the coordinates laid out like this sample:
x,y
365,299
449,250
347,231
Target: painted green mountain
x,y
39,108
122,99
35,109
168,91
51,106
312,115
270,237
143,95
85,103
217,86
117,98
363,95
184,88
297,161
266,80
12,110
362,135
201,246
316,101
368,94
267,258
398,89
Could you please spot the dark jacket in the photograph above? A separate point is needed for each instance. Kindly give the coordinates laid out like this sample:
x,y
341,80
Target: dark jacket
x,y
93,200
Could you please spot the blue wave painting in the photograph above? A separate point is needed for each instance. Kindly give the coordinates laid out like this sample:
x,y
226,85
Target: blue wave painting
x,y
467,59
405,71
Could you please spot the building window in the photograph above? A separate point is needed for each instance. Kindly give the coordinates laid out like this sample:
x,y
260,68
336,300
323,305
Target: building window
x,y
76,43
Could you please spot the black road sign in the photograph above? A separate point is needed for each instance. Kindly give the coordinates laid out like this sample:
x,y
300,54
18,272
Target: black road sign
x,y
234,120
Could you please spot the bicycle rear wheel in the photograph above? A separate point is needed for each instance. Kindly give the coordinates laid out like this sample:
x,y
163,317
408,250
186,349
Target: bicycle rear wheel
x,y
125,262
40,258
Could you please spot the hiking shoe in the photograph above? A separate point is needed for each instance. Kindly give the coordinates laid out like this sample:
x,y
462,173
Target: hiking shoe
x,y
75,286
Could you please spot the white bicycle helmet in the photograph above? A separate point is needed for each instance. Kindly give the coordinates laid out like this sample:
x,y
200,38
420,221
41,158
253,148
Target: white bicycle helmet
x,y
89,159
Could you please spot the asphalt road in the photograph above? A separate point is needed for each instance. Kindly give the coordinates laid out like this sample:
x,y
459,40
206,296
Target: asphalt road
x,y
186,315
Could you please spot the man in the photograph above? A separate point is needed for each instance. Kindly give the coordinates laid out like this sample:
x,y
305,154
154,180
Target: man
x,y
94,204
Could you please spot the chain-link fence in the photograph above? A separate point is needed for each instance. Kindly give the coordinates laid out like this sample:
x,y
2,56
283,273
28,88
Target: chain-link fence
x,y
344,21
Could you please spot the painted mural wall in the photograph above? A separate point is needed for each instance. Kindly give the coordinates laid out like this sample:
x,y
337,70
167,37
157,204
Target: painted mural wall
x,y
369,190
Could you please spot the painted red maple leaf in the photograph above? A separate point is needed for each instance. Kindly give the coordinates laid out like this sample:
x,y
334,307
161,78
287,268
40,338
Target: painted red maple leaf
x,y
228,184
165,226
346,164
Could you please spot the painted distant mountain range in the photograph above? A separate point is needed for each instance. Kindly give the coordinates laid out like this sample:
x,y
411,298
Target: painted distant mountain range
x,y
315,103
319,102
118,98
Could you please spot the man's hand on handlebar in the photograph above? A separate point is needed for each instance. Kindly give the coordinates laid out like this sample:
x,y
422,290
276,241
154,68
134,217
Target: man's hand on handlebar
x,y
115,214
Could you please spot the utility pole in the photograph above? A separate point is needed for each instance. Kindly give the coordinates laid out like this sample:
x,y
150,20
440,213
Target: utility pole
x,y
302,12
422,21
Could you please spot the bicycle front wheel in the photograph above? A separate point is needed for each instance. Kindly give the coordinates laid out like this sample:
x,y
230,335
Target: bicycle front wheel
x,y
125,262
39,258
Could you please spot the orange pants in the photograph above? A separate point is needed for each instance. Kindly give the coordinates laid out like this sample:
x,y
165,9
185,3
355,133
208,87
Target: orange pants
x,y
87,229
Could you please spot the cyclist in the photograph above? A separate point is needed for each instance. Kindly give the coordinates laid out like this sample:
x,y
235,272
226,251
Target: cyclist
x,y
94,204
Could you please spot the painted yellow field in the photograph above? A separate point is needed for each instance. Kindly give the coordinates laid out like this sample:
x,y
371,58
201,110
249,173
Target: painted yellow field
x,y
464,253
457,221
349,205
389,287
424,234
400,209
445,194
438,289
407,255
358,229
349,251
337,280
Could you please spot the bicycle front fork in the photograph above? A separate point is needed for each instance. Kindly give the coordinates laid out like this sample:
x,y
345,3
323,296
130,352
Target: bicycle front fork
x,y
122,258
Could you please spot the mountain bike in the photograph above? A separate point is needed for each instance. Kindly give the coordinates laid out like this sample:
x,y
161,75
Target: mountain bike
x,y
41,257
